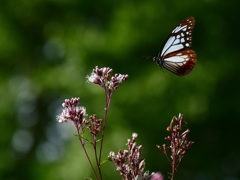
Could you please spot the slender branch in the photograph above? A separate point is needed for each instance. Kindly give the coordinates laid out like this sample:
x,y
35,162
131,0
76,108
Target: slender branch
x,y
108,100
173,167
166,154
96,156
85,151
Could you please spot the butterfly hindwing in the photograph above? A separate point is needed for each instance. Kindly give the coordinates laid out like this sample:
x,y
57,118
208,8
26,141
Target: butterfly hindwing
x,y
180,62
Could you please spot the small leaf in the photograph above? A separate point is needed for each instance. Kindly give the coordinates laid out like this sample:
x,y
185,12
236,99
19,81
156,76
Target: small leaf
x,y
103,161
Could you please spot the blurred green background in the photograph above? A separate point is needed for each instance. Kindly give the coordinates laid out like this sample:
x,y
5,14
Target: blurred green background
x,y
48,47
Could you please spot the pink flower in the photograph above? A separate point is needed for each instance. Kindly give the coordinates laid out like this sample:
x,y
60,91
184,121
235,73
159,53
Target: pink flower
x,y
102,77
73,113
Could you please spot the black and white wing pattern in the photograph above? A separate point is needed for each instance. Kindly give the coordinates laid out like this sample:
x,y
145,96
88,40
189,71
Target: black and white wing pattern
x,y
175,54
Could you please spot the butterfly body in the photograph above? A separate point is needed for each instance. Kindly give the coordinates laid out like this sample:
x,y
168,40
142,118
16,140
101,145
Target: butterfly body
x,y
176,55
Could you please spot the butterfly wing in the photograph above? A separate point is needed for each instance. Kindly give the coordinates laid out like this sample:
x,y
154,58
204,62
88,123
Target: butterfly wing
x,y
180,62
180,38
175,54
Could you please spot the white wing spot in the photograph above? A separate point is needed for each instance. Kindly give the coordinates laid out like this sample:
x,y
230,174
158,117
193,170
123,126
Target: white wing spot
x,y
187,44
184,29
176,59
167,45
179,28
173,48
182,40
176,41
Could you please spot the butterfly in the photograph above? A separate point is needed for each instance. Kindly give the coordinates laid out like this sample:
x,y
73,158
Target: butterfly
x,y
176,55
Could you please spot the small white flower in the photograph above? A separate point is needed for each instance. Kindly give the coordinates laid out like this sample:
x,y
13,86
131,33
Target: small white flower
x,y
134,135
64,116
61,118
92,78
111,154
82,110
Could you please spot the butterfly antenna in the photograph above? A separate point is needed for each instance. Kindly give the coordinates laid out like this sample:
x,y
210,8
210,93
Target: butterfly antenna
x,y
149,57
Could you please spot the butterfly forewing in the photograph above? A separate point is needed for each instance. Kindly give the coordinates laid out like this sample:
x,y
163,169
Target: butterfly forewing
x,y
175,54
180,38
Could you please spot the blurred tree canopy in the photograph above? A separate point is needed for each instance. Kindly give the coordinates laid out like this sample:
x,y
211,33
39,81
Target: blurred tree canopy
x,y
48,47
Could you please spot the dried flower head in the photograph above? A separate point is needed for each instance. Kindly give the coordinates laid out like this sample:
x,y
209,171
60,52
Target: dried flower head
x,y
94,125
73,113
116,80
128,162
102,77
179,142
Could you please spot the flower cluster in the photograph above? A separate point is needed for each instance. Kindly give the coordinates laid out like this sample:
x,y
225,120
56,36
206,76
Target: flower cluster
x,y
179,142
128,162
102,77
73,113
99,76
95,125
